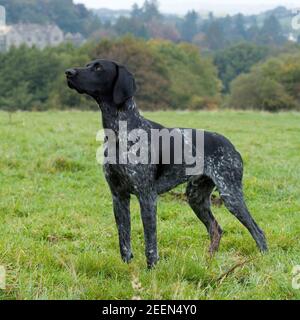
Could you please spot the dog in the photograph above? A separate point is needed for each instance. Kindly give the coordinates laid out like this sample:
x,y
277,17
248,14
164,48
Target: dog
x,y
113,87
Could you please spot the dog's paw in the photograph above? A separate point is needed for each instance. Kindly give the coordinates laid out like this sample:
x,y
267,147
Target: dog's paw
x,y
127,258
152,263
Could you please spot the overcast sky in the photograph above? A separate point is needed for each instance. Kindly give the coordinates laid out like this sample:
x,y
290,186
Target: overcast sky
x,y
182,6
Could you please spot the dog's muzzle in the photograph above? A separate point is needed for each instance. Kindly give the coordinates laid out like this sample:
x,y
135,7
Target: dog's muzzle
x,y
70,73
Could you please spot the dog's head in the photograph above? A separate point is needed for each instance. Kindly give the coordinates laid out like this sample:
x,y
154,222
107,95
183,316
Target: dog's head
x,y
103,80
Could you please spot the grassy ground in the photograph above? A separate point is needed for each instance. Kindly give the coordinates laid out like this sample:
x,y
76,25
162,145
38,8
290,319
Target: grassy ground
x,y
58,237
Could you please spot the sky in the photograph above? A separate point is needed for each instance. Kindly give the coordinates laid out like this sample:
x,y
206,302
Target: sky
x,y
182,6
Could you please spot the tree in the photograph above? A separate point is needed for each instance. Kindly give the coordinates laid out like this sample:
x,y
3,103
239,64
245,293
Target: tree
x,y
136,11
215,38
253,33
33,73
146,22
271,32
239,27
237,59
21,99
134,26
255,91
189,26
150,10
192,75
272,85
165,31
168,75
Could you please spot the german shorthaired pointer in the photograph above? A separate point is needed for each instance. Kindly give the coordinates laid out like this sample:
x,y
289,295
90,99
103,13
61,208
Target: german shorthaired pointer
x,y
113,87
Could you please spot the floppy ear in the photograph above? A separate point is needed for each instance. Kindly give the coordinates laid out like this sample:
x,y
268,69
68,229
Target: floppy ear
x,y
125,86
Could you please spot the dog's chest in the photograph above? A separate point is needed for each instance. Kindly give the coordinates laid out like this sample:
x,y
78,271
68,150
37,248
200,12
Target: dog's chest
x,y
131,178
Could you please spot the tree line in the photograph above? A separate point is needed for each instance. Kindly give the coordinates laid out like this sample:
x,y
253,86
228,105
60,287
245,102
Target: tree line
x,y
169,75
212,33
190,63
146,21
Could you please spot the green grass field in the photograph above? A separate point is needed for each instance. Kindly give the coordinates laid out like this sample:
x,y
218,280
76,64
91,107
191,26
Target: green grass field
x,y
58,237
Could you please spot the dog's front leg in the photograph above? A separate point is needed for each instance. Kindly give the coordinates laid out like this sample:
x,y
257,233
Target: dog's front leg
x,y
148,203
121,205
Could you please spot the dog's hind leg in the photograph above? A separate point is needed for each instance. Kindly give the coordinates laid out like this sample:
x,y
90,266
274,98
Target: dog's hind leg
x,y
234,201
198,194
228,180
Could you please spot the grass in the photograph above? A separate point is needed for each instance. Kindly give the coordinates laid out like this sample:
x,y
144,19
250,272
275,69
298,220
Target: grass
x,y
58,237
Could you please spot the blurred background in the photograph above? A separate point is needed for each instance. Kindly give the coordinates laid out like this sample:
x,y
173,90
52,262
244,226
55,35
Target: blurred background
x,y
186,55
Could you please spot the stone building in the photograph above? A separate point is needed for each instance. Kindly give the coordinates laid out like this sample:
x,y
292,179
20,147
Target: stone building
x,y
2,28
37,35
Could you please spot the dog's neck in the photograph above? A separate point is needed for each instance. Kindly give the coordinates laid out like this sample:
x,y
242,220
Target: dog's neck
x,y
112,114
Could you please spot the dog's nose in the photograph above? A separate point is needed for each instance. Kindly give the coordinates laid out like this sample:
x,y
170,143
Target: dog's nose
x,y
70,73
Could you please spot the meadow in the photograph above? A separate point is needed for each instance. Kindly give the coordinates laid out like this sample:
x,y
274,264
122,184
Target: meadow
x,y
58,238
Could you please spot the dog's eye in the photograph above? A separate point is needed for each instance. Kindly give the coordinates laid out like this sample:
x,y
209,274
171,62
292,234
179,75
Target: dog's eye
x,y
98,67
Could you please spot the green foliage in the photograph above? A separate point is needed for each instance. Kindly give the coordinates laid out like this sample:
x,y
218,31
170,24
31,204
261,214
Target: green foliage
x,y
191,74
58,238
272,32
67,15
189,27
272,86
203,103
237,59
167,75
215,36
150,10
146,21
220,33
26,77
134,26
21,99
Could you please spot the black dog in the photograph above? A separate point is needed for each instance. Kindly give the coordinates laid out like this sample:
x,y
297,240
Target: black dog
x,y
113,87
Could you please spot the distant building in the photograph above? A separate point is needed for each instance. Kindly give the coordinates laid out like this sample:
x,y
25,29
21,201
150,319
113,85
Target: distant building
x,y
37,35
31,35
3,29
2,16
